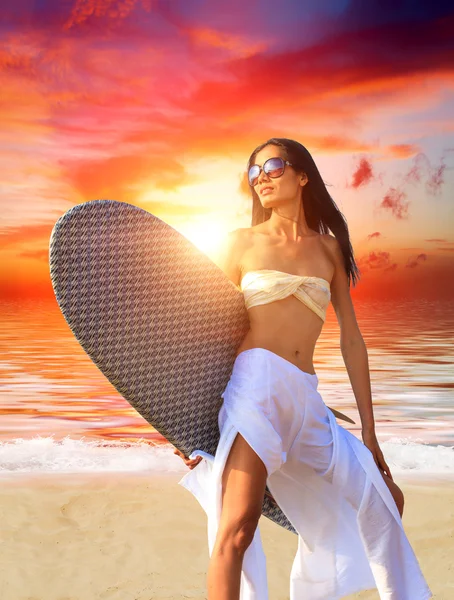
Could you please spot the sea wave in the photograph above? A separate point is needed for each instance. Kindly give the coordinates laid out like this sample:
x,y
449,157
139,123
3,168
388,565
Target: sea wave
x,y
405,457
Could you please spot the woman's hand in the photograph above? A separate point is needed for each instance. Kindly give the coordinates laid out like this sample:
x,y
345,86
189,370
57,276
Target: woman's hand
x,y
371,442
189,462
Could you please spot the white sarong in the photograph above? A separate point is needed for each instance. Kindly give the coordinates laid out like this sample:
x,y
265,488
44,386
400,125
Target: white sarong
x,y
324,479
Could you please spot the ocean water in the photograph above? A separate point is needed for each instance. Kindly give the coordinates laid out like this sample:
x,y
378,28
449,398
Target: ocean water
x,y
58,413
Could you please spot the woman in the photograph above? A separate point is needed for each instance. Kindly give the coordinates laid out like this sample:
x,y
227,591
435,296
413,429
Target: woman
x,y
275,428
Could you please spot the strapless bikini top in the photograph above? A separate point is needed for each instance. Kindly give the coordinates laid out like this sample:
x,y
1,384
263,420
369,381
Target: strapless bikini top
x,y
267,285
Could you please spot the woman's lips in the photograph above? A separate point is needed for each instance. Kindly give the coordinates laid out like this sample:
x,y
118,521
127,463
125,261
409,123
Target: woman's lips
x,y
266,191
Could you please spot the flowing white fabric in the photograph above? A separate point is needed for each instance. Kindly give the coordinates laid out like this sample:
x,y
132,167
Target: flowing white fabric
x,y
325,480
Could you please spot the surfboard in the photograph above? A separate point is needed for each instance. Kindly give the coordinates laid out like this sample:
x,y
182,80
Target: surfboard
x,y
159,319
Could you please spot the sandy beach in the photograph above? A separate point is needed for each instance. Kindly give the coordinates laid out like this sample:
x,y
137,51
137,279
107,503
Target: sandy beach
x,y
137,537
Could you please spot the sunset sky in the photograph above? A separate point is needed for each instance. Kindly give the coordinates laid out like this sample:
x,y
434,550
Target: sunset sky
x,y
160,103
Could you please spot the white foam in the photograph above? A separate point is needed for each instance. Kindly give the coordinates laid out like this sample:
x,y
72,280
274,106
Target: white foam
x,y
407,457
47,455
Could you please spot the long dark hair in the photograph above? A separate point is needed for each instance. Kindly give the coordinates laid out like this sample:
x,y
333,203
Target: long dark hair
x,y
320,210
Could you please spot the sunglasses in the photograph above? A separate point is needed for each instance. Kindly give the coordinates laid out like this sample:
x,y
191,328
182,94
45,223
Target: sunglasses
x,y
273,167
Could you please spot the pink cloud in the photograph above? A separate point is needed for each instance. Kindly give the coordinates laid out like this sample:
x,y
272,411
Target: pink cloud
x,y
392,267
422,169
415,261
436,179
375,260
363,174
394,201
113,10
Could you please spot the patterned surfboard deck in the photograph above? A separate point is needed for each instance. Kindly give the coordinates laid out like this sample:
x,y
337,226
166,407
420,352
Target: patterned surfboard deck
x,y
156,316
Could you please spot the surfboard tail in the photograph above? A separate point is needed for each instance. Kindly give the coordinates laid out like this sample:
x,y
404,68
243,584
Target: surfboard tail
x,y
340,415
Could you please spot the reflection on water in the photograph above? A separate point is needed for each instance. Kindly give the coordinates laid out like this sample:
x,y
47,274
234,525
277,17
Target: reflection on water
x,y
49,386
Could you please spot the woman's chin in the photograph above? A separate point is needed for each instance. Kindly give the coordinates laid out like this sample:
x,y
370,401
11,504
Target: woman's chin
x,y
271,203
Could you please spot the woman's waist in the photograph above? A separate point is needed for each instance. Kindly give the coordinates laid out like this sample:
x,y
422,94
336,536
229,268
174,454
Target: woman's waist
x,y
294,326
291,348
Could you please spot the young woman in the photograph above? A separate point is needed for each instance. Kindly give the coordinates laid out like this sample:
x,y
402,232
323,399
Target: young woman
x,y
337,492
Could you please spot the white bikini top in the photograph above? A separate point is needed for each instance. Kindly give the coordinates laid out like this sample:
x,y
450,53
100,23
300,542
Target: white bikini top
x,y
267,285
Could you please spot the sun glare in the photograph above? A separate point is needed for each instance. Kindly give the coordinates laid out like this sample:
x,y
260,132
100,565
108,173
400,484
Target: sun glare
x,y
205,233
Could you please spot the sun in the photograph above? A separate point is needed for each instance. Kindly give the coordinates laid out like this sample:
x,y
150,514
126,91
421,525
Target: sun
x,y
207,233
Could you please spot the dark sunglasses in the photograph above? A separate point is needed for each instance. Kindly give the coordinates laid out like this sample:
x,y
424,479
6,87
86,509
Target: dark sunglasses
x,y
273,167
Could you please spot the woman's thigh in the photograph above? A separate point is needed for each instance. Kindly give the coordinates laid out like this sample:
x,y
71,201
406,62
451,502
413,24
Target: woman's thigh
x,y
243,487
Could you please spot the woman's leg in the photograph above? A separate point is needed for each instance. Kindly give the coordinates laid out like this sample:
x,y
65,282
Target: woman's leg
x,y
243,488
395,491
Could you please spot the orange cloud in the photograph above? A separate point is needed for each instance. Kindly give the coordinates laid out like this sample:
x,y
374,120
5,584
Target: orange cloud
x,y
237,43
29,234
403,150
42,255
124,108
121,177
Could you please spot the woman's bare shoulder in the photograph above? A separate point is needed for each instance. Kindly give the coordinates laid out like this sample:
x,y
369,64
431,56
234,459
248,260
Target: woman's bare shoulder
x,y
232,249
236,239
331,243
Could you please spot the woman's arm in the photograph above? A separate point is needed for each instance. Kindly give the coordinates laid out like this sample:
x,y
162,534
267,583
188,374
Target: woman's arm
x,y
354,351
356,361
